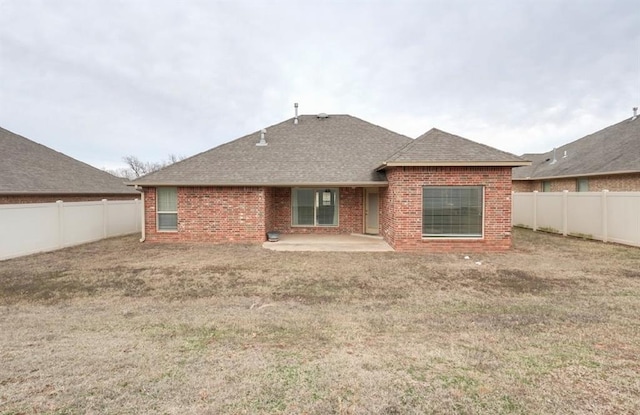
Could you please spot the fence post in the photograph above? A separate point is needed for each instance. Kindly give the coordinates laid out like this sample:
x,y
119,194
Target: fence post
x,y
105,218
565,212
60,206
604,222
535,210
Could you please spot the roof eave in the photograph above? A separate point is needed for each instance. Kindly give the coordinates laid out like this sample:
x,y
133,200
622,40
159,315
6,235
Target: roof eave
x,y
568,176
380,183
65,193
453,164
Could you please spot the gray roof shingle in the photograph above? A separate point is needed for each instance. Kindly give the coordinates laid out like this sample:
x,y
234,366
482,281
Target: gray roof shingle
x,y
615,149
27,167
338,150
439,148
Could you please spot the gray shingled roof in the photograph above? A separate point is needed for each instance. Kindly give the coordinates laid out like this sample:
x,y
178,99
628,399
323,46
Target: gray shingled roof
x,y
27,167
438,148
615,149
338,150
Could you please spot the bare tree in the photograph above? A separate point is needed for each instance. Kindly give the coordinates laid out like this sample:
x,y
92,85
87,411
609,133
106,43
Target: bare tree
x,y
138,168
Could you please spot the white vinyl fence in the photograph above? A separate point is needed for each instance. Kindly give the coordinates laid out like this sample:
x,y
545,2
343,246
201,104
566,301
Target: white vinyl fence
x,y
605,216
30,228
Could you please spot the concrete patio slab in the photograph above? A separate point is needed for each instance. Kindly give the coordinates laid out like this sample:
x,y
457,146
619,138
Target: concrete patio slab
x,y
329,243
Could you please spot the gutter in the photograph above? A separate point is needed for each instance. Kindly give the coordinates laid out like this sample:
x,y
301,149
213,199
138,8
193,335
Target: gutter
x,y
571,176
143,235
380,183
453,164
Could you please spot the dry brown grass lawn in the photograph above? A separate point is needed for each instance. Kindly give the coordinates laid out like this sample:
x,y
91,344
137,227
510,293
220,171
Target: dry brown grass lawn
x,y
121,327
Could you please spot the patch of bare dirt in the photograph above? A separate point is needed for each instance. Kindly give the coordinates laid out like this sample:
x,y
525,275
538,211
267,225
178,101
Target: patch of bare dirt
x,y
123,327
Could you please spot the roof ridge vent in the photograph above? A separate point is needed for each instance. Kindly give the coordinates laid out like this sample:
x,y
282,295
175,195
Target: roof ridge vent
x,y
262,142
323,115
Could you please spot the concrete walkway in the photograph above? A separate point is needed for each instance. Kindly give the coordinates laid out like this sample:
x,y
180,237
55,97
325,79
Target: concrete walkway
x,y
336,243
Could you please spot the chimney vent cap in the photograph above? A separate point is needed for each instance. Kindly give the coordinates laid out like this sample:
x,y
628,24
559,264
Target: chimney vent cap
x,y
262,141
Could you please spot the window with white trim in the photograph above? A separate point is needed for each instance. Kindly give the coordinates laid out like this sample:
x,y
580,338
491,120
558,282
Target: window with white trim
x,y
452,211
582,185
314,207
167,208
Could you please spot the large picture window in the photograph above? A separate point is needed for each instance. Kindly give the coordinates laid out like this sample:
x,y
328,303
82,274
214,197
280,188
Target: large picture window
x,y
452,212
314,207
167,208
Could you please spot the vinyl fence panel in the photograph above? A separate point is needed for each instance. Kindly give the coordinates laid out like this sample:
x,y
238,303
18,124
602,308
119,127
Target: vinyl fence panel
x,y
549,211
30,228
82,222
623,218
523,209
584,215
606,216
121,218
25,229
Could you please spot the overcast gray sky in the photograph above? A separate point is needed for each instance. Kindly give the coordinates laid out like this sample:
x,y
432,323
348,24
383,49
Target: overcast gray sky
x,y
101,79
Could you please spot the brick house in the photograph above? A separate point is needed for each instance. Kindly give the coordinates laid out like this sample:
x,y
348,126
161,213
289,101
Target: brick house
x,y
33,173
608,159
337,174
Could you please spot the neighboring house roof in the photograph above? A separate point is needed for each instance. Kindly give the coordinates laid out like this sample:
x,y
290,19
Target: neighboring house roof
x,y
28,168
439,148
613,150
332,150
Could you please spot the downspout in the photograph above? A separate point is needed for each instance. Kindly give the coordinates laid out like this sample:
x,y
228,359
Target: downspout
x,y
143,235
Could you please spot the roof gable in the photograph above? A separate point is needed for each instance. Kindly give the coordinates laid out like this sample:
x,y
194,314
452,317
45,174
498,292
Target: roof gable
x,y
439,148
615,149
338,150
27,167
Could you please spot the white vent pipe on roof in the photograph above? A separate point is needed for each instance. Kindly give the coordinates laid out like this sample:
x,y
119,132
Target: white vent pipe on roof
x,y
635,113
295,119
262,142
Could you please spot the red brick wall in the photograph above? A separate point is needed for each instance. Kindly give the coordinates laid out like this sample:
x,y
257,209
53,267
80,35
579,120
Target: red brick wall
x,y
270,208
615,183
244,214
282,207
350,220
213,214
525,186
558,185
20,199
401,223
387,215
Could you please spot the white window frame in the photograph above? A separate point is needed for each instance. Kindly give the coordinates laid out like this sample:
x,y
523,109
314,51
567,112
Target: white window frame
x,y
166,212
455,235
582,184
317,197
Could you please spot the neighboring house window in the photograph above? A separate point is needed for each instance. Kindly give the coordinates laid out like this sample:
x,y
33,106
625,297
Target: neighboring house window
x,y
314,207
583,185
167,209
453,212
546,186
